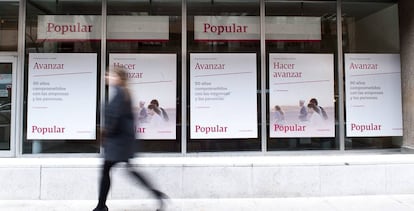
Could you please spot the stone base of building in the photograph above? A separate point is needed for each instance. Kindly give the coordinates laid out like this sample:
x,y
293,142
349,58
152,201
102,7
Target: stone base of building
x,y
212,177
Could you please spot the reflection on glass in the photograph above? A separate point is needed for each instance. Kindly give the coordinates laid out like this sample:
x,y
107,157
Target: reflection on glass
x,y
9,18
5,104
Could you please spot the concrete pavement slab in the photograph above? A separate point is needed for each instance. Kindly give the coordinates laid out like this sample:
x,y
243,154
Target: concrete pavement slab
x,y
341,203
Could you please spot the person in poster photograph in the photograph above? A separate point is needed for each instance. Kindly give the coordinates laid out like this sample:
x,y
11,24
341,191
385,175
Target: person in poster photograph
x,y
314,115
303,112
142,112
154,116
322,111
163,113
279,115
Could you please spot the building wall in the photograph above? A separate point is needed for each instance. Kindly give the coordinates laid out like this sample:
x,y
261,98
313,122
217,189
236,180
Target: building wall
x,y
221,176
212,177
407,54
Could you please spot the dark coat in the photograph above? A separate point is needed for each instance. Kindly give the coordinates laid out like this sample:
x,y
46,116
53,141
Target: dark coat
x,y
119,130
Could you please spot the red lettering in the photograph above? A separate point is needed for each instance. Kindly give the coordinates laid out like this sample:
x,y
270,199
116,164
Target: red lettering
x,y
44,130
278,65
126,66
287,128
362,128
210,129
62,29
354,66
140,129
220,29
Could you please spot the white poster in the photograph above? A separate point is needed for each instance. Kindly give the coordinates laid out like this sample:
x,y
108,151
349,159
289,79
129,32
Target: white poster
x,y
301,98
153,82
61,101
373,95
223,95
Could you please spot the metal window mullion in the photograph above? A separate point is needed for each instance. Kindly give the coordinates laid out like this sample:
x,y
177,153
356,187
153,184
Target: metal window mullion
x,y
341,92
103,63
19,87
263,75
184,77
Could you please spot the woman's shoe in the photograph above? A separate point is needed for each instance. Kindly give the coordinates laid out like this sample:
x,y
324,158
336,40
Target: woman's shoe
x,y
105,208
161,197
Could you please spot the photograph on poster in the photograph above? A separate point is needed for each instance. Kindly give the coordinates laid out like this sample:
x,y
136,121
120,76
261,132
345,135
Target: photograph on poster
x,y
62,87
153,85
372,80
223,95
301,100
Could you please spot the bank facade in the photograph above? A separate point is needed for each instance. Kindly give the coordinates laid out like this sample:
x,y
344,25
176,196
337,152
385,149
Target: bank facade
x,y
252,79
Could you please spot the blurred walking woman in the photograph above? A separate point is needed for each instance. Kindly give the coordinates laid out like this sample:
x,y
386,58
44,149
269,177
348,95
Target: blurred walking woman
x,y
119,136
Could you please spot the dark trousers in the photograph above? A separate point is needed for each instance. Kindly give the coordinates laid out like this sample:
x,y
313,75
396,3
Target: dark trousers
x,y
105,183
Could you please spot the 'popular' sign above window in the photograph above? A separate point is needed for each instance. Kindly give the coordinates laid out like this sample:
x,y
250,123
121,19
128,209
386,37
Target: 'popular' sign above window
x,y
247,28
88,27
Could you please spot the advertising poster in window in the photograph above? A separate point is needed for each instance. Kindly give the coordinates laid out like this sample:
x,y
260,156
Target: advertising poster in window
x,y
153,84
373,95
61,101
301,95
223,95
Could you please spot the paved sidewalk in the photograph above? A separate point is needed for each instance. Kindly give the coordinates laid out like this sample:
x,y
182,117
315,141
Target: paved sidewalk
x,y
343,203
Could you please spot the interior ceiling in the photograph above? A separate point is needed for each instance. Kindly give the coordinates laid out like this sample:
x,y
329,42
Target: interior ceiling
x,y
9,10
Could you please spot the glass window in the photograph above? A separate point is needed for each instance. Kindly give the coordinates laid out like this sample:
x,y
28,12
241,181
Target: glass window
x,y
223,72
6,70
9,18
370,32
145,38
223,69
301,52
62,35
